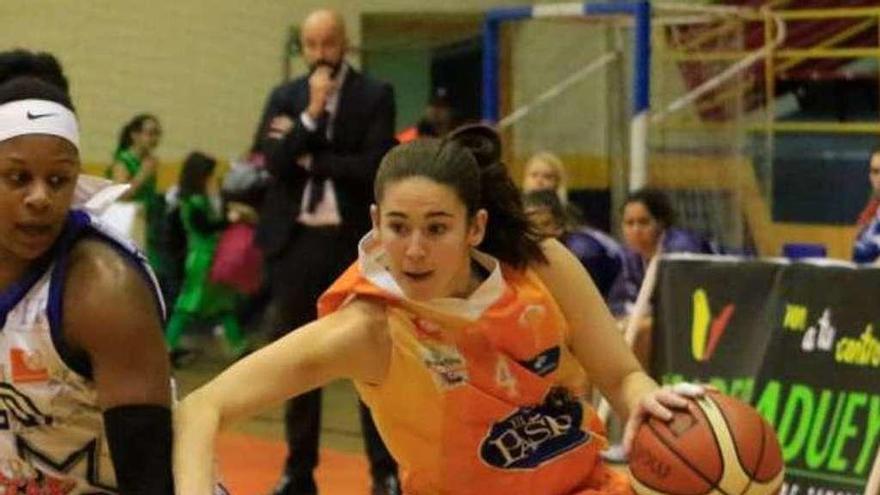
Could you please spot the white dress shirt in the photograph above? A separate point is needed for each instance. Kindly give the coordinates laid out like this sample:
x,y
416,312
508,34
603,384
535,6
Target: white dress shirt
x,y
326,211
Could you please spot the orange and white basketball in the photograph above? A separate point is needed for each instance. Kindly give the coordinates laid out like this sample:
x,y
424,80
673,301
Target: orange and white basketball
x,y
717,446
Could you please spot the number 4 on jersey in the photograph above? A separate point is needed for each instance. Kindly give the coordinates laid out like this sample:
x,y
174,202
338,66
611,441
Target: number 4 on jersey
x,y
504,377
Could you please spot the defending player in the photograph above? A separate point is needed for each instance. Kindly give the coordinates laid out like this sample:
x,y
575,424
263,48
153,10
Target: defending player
x,y
83,368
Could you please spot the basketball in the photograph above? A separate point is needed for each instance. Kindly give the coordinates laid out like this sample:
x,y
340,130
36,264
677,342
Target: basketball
x,y
719,445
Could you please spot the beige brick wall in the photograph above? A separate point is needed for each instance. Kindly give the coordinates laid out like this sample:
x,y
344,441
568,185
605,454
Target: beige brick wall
x,y
204,67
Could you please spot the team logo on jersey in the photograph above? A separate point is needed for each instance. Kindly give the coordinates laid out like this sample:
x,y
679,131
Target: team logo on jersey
x,y
80,464
532,315
39,482
17,409
535,435
27,367
543,364
446,364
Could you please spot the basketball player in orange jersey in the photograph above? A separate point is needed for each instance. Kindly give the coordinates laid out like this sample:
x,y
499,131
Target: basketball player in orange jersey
x,y
474,363
84,375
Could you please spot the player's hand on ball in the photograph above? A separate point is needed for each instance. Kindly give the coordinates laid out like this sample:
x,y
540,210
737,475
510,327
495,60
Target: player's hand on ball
x,y
658,403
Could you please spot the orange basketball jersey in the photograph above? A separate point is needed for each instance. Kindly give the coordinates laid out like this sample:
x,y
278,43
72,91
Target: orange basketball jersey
x,y
482,394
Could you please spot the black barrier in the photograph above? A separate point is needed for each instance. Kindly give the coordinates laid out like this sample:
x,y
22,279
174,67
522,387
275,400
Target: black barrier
x,y
797,341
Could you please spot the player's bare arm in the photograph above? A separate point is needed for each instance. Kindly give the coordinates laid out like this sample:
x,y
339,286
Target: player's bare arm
x,y
351,343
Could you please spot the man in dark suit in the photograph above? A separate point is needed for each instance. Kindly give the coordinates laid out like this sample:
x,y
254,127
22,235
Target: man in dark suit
x,y
323,136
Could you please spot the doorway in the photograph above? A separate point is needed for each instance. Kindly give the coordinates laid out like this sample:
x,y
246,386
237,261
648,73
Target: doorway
x,y
422,54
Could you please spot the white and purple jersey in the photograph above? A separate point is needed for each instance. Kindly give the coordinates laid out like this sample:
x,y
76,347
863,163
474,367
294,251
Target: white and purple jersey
x,y
52,438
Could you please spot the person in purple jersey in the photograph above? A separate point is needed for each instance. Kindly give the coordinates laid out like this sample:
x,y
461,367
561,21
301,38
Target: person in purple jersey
x,y
648,227
601,255
866,248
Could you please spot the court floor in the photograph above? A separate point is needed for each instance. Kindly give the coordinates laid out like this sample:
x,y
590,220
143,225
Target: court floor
x,y
251,454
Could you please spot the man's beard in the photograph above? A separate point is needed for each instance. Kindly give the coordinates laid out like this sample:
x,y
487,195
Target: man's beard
x,y
334,68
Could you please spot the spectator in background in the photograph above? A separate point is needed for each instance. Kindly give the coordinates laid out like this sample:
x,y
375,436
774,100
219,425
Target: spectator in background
x,y
869,213
867,245
437,120
246,182
648,226
601,255
135,164
199,299
545,171
172,245
323,136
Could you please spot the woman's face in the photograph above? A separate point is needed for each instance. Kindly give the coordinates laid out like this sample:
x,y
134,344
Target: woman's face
x,y
542,220
874,174
641,231
37,179
540,177
424,227
147,138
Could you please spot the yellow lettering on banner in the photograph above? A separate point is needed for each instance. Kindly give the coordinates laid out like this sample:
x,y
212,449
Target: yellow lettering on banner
x,y
864,351
795,317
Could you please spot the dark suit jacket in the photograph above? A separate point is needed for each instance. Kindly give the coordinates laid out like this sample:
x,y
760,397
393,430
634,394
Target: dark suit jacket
x,y
363,130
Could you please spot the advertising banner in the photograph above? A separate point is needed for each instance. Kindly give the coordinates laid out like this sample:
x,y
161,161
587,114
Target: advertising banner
x,y
797,341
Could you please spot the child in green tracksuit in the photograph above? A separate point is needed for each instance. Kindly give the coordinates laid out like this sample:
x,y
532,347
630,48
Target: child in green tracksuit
x,y
199,298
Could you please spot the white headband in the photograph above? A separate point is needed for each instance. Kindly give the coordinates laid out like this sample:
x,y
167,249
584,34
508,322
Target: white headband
x,y
22,117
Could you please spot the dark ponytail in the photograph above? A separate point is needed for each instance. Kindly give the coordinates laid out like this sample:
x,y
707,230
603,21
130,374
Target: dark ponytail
x,y
196,170
509,235
468,160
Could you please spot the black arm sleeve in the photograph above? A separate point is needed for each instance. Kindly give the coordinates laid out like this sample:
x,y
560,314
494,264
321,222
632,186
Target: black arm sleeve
x,y
140,446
